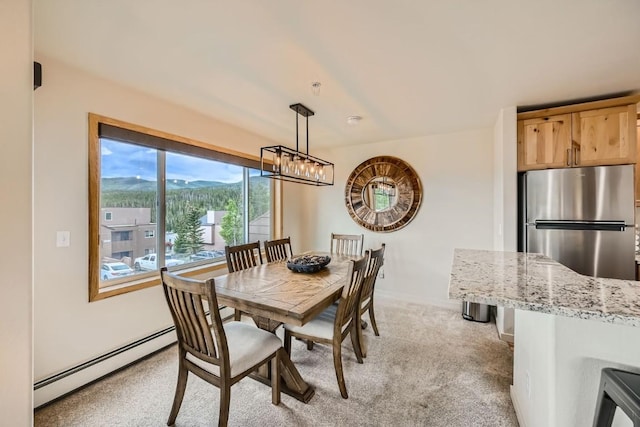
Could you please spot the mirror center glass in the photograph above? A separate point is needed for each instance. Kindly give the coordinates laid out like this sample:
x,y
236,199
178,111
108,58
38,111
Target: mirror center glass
x,y
380,194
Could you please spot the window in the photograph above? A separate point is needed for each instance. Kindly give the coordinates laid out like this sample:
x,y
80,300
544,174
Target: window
x,y
382,200
167,201
119,236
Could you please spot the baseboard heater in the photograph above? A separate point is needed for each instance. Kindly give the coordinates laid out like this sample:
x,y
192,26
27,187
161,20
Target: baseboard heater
x,y
64,388
101,358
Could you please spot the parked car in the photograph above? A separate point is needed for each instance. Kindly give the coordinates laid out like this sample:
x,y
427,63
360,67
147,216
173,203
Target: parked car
x,y
199,256
113,270
150,262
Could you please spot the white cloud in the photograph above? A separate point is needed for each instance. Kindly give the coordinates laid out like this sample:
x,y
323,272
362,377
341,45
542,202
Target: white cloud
x,y
105,151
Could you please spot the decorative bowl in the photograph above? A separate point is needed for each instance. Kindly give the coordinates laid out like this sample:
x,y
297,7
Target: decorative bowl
x,y
308,263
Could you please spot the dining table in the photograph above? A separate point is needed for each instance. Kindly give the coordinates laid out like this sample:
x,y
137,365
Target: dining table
x,y
272,294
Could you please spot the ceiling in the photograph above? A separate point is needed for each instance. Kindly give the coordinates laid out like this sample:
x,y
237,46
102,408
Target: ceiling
x,y
409,68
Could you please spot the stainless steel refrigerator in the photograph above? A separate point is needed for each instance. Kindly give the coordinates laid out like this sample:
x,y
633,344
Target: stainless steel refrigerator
x,y
584,218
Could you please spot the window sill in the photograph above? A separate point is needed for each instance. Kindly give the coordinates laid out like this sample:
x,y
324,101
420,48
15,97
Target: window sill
x,y
152,278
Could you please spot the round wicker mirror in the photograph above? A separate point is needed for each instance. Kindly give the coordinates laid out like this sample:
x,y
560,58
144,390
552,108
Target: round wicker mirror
x,y
383,194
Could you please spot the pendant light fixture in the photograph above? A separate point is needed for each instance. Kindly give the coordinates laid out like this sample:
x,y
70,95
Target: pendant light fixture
x,y
284,163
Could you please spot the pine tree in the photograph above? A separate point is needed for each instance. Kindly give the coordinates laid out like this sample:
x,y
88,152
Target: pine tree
x,y
231,226
189,238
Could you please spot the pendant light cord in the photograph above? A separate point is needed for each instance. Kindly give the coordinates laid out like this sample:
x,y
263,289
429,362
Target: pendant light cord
x,y
297,132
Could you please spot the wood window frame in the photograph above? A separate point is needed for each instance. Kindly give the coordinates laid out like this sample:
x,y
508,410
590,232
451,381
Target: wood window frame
x,y
187,146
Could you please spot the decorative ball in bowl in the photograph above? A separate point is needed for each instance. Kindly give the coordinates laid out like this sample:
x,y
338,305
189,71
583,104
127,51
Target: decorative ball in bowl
x,y
308,263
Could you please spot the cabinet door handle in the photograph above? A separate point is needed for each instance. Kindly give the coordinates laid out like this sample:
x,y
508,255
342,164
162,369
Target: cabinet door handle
x,y
568,157
575,156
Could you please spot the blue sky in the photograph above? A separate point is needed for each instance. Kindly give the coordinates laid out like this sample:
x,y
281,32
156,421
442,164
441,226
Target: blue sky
x,y
127,160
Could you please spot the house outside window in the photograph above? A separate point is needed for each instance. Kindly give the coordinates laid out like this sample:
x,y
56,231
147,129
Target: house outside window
x,y
199,199
119,236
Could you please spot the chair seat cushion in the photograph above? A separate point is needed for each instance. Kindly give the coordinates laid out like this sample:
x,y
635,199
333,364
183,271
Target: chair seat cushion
x,y
320,327
247,345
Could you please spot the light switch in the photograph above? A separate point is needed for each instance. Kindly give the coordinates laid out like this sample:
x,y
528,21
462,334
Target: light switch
x,y
62,239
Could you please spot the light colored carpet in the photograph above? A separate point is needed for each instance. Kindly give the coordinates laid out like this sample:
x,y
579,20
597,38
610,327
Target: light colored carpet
x,y
429,367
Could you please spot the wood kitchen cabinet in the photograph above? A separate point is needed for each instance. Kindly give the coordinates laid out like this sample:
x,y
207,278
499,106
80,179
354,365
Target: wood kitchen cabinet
x,y
638,164
544,142
589,134
605,137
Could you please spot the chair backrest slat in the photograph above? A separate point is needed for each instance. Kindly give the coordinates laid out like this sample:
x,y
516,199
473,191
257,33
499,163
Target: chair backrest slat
x,y
195,311
185,300
350,297
186,321
241,257
347,244
278,250
173,297
376,260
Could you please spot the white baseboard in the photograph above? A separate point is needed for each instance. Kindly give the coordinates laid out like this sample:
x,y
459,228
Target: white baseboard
x,y
516,407
75,380
504,336
448,304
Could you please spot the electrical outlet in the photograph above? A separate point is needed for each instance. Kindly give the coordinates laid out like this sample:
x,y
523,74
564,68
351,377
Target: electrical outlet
x,y
381,273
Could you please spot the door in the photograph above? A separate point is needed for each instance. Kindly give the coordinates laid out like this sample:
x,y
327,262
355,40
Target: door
x,y
601,193
605,137
544,142
583,218
638,163
592,252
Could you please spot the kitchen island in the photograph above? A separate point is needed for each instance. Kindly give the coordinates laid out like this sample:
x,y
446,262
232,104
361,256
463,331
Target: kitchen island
x,y
567,328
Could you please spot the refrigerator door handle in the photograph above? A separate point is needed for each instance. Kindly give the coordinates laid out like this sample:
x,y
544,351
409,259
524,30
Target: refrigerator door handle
x,y
580,225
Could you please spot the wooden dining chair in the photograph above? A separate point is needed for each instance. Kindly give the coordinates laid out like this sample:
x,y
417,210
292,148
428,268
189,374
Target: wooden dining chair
x,y
278,250
334,324
219,354
376,260
347,244
241,257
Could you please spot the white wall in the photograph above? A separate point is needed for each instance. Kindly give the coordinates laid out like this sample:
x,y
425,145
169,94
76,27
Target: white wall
x,y
562,358
456,171
16,149
505,180
505,200
296,197
67,328
533,392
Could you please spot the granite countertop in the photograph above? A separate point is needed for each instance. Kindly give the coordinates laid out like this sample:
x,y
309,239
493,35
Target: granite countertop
x,y
535,282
